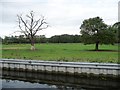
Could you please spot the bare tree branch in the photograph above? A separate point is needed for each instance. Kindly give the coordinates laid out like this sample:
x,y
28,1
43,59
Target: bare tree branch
x,y
31,26
21,19
36,23
40,29
22,31
41,23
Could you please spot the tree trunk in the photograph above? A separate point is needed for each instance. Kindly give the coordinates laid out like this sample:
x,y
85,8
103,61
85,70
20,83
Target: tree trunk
x,y
96,46
32,44
32,47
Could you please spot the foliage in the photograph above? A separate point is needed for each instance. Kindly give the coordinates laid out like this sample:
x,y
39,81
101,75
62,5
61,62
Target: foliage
x,y
42,39
94,30
116,28
65,38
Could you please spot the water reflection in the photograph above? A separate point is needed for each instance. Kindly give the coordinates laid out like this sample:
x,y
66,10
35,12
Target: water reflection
x,y
13,79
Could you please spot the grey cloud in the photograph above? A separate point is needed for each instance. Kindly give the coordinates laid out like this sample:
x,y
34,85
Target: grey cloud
x,y
60,13
10,10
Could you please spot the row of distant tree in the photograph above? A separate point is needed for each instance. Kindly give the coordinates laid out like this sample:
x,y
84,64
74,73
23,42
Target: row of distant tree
x,y
65,38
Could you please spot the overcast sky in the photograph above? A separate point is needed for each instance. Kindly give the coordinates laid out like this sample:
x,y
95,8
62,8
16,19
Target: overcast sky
x,y
63,16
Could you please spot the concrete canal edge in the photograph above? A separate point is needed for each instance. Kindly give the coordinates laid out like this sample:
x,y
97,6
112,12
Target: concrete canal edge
x,y
82,69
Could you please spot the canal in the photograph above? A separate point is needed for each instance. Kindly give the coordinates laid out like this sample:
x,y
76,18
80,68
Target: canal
x,y
41,81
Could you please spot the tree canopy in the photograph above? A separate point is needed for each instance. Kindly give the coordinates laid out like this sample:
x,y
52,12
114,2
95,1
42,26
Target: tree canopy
x,y
95,31
116,28
65,38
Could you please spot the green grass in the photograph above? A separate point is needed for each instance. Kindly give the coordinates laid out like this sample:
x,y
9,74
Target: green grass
x,y
62,52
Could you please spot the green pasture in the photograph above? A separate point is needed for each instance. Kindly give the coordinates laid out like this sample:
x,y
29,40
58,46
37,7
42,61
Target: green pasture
x,y
62,52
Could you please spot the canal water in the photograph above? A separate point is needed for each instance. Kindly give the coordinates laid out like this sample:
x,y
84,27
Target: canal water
x,y
41,81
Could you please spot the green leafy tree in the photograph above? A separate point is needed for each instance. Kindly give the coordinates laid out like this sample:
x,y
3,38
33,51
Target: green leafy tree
x,y
95,31
116,28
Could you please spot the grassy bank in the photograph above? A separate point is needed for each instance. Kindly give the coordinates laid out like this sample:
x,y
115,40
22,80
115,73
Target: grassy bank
x,y
62,52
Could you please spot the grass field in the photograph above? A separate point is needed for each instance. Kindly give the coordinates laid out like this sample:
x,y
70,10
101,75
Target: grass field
x,y
62,52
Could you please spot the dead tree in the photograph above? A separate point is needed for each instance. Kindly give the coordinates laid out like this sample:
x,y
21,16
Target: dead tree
x,y
30,26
